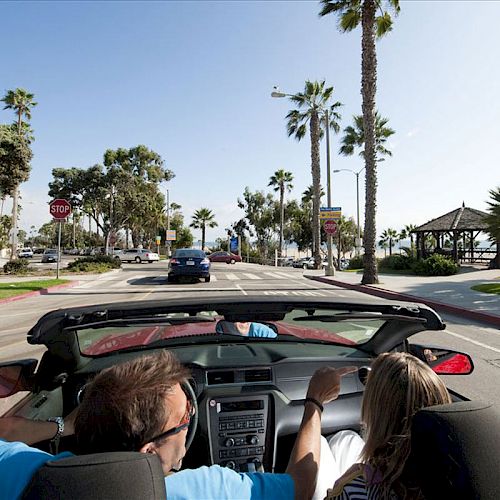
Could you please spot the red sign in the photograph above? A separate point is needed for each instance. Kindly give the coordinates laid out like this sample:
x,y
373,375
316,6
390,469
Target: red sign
x,y
59,209
330,226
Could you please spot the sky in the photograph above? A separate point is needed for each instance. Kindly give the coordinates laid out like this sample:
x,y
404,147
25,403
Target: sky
x,y
192,81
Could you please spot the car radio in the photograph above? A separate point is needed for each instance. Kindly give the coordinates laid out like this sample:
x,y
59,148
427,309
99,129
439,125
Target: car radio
x,y
238,431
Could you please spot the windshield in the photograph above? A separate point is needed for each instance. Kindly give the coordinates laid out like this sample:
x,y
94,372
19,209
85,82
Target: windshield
x,y
332,326
189,253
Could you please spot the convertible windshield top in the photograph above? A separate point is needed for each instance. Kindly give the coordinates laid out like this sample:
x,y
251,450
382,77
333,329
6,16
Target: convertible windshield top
x,y
100,330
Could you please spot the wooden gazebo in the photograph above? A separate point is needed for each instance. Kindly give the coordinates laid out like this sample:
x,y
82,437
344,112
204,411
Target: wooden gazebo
x,y
457,225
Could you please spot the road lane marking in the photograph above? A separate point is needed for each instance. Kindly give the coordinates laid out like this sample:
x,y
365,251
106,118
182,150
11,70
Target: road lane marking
x,y
231,276
282,275
241,290
307,293
213,277
274,275
251,276
467,339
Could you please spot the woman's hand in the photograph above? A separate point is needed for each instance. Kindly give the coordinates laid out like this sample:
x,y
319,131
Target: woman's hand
x,y
325,383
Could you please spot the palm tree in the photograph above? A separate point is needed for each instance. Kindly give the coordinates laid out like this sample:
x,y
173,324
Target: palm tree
x,y
202,219
352,13
281,181
355,137
311,106
389,236
21,101
493,221
406,233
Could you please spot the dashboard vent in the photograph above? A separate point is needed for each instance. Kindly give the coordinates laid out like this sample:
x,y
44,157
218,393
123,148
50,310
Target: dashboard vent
x,y
263,375
222,377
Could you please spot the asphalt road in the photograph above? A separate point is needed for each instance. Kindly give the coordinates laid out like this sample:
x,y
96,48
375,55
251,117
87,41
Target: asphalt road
x,y
138,282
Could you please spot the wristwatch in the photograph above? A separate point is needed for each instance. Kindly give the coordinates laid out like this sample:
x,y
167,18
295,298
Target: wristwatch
x,y
60,427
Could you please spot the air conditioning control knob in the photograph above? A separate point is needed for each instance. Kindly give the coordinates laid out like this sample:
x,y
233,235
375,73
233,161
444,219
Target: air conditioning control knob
x,y
231,464
253,440
229,442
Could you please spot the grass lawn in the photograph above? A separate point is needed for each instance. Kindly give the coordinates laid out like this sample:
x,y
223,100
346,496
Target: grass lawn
x,y
20,287
487,288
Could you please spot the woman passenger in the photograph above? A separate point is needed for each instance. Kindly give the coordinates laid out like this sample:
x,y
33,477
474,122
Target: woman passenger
x,y
398,385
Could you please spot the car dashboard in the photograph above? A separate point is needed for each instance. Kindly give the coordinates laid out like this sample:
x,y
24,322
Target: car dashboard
x,y
250,398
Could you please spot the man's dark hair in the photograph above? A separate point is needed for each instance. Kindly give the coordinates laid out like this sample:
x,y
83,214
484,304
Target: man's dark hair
x,y
124,406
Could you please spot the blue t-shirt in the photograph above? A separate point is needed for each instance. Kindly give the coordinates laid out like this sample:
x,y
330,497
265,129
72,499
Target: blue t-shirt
x,y
215,482
260,330
18,462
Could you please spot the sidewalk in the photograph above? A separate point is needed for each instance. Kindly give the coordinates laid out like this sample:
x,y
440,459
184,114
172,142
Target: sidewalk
x,y
451,294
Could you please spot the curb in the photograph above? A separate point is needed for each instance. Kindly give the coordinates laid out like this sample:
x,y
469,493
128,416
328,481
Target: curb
x,y
389,294
42,291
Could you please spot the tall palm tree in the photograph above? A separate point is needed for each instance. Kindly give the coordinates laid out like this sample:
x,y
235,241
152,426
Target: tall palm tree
x,y
352,13
281,181
21,101
389,236
202,219
355,137
311,106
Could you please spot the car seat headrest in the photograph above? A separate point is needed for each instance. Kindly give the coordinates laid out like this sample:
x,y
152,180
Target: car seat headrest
x,y
455,450
100,476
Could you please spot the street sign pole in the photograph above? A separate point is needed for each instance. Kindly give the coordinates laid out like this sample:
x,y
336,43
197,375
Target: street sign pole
x,y
330,270
58,250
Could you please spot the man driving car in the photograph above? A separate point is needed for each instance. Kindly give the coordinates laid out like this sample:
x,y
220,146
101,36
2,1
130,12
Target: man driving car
x,y
140,405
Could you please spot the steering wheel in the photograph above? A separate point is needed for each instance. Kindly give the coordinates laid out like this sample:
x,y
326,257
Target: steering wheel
x,y
191,396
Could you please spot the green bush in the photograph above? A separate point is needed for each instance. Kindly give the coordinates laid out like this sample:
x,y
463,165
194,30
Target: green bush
x,y
94,263
397,262
18,266
435,265
356,262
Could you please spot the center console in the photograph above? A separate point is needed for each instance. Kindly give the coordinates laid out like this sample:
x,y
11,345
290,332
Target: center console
x,y
238,431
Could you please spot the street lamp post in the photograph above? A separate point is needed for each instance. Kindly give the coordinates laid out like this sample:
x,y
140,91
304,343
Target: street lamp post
x,y
358,239
330,270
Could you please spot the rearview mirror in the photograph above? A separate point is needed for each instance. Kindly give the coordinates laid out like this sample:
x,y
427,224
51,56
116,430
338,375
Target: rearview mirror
x,y
16,376
444,361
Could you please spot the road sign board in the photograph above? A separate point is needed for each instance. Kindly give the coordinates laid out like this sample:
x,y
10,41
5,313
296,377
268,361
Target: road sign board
x,y
171,235
330,226
59,209
158,240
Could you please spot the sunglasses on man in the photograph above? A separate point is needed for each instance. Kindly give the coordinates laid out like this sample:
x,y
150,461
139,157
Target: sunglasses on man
x,y
183,424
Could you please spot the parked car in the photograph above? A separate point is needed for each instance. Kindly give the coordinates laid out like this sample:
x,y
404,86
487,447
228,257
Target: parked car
x,y
254,386
138,255
188,262
25,253
38,250
287,261
51,255
228,258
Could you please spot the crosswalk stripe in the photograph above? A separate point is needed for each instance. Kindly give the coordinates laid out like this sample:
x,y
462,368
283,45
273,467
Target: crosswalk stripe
x,y
251,276
231,276
213,277
274,275
283,275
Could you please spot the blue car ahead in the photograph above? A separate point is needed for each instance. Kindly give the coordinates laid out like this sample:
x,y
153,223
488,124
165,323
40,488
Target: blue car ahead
x,y
190,263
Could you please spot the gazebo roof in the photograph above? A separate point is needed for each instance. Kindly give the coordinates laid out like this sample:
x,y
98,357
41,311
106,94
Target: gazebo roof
x,y
461,219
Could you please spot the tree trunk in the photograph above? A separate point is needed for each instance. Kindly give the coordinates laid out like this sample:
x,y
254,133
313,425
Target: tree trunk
x,y
203,237
282,217
368,90
15,202
316,181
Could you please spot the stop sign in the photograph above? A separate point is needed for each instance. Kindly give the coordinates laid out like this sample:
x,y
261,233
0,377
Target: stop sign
x,y
59,209
330,226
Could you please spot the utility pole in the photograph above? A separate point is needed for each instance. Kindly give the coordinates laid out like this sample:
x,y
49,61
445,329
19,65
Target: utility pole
x,y
330,270
167,242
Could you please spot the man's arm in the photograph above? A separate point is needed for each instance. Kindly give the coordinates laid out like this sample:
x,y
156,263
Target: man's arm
x,y
324,387
30,431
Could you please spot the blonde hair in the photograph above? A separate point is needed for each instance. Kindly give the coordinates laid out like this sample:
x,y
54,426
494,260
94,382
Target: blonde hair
x,y
398,385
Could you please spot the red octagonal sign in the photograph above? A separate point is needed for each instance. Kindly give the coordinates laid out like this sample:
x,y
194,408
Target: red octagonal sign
x,y
59,209
330,226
